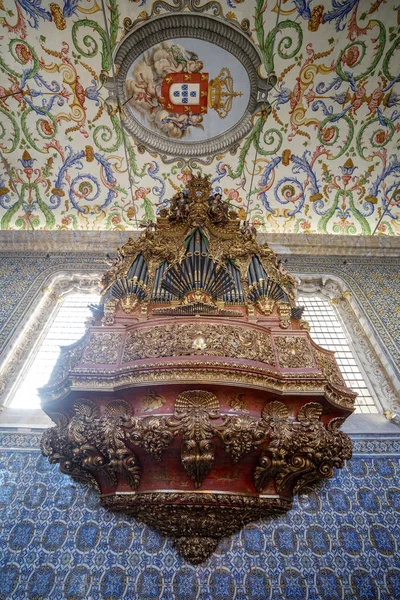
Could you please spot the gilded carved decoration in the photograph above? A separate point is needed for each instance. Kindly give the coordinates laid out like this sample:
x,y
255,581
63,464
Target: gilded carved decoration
x,y
194,411
91,442
300,451
284,314
164,341
162,241
294,352
191,371
151,400
213,516
266,305
240,435
329,367
102,348
291,453
87,446
237,402
178,339
68,358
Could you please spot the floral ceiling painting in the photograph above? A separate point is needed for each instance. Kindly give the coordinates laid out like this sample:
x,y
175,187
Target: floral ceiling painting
x,y
316,152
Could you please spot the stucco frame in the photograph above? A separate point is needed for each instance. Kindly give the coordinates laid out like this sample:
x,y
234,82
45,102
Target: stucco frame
x,y
30,335
375,366
203,27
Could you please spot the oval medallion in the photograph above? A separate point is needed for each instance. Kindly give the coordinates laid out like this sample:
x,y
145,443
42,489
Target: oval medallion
x,y
285,540
257,585
120,537
363,585
150,584
113,584
9,577
185,584
21,535
350,540
87,536
382,540
318,540
293,585
328,585
54,536
188,84
222,585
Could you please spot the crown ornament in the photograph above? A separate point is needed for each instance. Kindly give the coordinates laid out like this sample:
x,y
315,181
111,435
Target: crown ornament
x,y
221,93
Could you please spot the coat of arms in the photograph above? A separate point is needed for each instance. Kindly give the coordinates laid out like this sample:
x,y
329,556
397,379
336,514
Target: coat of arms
x,y
170,89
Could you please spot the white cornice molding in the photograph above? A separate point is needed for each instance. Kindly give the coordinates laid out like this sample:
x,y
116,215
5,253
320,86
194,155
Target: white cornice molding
x,y
104,242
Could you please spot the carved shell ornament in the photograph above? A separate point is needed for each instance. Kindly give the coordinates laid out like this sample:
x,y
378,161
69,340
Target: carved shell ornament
x,y
197,401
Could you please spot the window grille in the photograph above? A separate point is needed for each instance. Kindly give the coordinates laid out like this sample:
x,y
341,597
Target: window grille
x,y
67,327
328,332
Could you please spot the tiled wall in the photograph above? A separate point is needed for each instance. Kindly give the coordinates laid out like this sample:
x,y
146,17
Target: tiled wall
x,y
340,542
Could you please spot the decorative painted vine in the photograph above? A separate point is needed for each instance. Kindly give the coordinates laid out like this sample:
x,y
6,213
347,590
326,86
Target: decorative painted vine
x,y
325,159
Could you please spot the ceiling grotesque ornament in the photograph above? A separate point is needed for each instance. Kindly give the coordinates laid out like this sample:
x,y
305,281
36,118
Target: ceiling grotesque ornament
x,y
100,129
197,401
189,84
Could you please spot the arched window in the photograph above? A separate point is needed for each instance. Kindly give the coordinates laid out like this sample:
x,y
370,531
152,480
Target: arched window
x,y
66,325
328,330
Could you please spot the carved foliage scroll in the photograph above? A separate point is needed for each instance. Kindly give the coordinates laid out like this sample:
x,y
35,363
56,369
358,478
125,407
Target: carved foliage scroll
x,y
92,448
102,348
294,352
177,340
194,411
329,367
300,451
294,452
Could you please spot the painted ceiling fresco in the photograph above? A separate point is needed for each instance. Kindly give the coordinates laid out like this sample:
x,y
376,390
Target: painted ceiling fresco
x,y
320,154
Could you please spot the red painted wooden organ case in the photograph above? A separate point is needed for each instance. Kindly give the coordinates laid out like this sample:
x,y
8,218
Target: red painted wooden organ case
x,y
197,400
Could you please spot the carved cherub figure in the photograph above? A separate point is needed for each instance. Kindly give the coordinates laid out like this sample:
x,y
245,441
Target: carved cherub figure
x,y
248,230
149,227
111,274
218,209
284,274
179,207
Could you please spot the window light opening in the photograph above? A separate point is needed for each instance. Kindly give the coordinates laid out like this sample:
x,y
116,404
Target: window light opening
x,y
328,332
67,327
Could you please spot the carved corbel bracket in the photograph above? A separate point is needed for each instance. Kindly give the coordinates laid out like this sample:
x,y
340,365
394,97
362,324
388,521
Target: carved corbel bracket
x,y
287,453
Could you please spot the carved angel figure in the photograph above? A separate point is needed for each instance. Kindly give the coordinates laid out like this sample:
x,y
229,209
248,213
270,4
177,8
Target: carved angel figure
x,y
218,209
111,274
179,207
149,227
285,275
